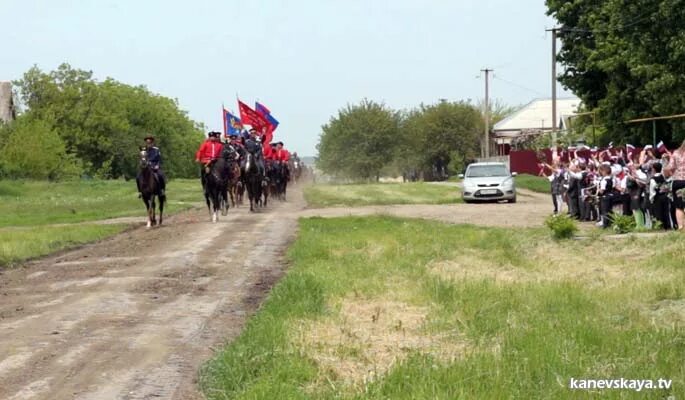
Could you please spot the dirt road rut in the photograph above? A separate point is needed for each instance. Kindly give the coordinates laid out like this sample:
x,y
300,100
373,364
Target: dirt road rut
x,y
134,317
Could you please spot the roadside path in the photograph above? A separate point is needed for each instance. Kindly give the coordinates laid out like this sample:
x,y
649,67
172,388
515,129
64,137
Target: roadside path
x,y
134,316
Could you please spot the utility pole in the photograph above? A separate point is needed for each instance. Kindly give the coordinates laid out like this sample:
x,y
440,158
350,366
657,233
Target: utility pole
x,y
486,113
554,83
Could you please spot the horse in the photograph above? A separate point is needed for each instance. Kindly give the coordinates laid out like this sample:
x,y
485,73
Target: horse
x,y
216,184
235,185
252,179
150,189
295,167
280,180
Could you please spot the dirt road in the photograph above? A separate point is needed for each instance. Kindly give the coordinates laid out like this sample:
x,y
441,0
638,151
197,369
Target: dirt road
x,y
530,211
133,317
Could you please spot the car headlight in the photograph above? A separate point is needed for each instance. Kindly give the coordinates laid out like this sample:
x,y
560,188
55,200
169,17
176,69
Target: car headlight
x,y
509,182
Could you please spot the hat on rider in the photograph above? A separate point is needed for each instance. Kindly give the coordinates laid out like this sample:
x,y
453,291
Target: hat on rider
x,y
213,134
149,137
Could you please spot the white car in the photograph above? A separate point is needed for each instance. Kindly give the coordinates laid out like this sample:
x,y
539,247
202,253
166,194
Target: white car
x,y
488,181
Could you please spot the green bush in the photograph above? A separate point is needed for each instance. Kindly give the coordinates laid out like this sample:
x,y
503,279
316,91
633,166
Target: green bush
x,y
562,226
33,150
622,223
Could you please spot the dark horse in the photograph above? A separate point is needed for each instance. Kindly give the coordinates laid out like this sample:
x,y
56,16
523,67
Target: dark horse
x,y
216,184
279,176
252,179
149,188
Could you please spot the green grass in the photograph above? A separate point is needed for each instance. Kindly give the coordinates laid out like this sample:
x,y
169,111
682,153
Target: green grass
x,y
29,203
525,314
533,183
19,244
29,209
380,194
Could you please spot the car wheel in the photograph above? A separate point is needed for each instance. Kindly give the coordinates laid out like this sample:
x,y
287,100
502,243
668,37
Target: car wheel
x,y
468,201
512,200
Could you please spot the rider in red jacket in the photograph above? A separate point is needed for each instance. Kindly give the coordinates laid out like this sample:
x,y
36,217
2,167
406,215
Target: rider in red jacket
x,y
281,154
210,149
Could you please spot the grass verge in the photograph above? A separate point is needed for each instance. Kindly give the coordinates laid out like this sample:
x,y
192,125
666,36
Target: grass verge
x,y
379,308
28,210
29,203
18,244
380,194
533,183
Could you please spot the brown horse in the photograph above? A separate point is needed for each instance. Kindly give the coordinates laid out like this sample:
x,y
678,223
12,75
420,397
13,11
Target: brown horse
x,y
235,186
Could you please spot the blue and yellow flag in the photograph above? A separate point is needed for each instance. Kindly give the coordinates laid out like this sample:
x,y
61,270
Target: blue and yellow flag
x,y
232,124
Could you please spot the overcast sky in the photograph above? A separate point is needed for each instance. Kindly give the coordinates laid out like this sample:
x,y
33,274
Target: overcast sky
x,y
302,59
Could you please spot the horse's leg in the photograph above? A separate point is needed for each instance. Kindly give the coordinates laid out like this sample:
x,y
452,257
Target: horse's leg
x,y
149,212
162,200
209,206
153,208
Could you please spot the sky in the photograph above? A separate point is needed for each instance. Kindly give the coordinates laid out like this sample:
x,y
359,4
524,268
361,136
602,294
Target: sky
x,y
304,59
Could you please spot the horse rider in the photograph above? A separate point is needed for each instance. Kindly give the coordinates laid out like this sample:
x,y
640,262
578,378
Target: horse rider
x,y
282,154
154,159
209,151
253,145
237,145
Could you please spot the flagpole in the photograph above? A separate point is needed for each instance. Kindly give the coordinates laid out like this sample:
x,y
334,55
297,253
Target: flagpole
x,y
223,114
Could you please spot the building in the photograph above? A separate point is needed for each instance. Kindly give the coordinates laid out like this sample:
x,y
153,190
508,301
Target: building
x,y
7,110
534,119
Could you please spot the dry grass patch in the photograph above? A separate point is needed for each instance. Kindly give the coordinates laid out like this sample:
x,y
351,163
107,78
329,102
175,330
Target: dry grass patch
x,y
368,337
668,312
594,266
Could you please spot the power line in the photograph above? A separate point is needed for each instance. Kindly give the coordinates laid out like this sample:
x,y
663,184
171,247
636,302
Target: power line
x,y
495,76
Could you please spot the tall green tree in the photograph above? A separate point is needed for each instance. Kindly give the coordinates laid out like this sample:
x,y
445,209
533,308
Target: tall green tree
x,y
626,59
359,141
103,123
442,135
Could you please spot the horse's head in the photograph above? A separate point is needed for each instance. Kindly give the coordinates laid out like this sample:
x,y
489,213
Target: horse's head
x,y
143,157
229,153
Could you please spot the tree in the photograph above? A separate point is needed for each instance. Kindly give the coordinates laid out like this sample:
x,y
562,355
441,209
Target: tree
x,y
626,59
442,136
103,123
359,141
34,150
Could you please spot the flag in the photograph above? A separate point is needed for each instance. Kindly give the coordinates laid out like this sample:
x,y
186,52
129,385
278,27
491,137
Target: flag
x,y
252,117
661,147
261,109
232,124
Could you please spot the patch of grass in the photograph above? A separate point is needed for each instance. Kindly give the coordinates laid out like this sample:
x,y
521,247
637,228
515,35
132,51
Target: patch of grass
x,y
31,203
538,184
18,244
381,194
384,308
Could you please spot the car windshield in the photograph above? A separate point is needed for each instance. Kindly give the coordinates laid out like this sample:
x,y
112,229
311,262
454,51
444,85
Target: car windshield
x,y
485,171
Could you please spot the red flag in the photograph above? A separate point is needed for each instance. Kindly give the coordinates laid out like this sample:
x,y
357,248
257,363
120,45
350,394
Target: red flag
x,y
253,118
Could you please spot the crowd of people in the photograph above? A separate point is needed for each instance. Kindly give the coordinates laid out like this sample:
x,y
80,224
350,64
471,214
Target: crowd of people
x,y
593,185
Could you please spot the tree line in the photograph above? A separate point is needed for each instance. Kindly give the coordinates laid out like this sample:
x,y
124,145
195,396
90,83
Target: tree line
x,y
73,125
367,140
625,60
